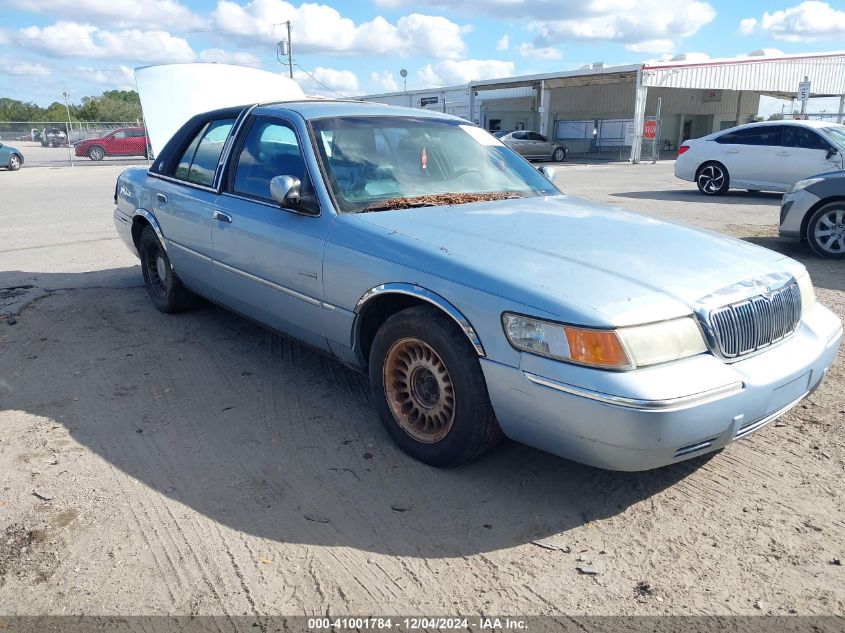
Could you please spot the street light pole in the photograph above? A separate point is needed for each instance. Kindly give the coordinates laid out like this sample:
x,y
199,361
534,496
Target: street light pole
x,y
67,127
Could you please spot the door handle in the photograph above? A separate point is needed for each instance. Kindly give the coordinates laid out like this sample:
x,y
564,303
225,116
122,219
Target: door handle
x,y
161,197
222,217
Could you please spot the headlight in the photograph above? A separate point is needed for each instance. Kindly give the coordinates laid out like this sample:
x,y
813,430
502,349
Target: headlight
x,y
808,294
803,184
623,348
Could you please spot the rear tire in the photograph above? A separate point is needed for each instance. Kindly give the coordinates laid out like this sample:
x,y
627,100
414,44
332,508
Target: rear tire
x,y
826,231
166,291
429,390
713,179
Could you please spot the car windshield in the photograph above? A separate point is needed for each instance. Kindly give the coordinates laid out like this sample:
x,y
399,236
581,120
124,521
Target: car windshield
x,y
379,163
837,132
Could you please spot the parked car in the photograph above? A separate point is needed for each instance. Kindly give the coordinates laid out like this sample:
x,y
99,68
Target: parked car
x,y
53,137
10,157
480,300
125,141
769,156
814,210
534,145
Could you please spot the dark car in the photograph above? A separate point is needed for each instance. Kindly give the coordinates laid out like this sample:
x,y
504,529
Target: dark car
x,y
125,141
814,210
53,137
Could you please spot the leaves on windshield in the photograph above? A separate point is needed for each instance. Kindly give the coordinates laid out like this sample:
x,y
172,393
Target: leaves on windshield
x,y
435,200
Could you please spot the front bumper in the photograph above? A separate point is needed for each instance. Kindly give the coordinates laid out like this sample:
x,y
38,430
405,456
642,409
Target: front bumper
x,y
794,207
657,416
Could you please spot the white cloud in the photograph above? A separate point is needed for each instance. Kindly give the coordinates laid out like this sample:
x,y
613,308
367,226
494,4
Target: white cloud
x,y
454,72
220,56
541,52
69,39
384,80
504,43
327,81
120,13
747,26
319,28
651,46
626,21
9,66
121,77
805,22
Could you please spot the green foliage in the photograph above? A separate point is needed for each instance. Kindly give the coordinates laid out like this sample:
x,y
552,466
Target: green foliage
x,y
777,116
112,105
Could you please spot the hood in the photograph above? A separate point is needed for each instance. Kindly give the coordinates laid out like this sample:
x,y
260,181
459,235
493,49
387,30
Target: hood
x,y
562,251
173,93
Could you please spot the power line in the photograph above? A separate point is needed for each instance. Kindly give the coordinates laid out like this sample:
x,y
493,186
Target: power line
x,y
321,83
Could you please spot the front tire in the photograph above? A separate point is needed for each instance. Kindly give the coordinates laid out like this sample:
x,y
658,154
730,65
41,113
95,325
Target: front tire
x,y
166,291
713,179
429,389
826,231
96,153
15,162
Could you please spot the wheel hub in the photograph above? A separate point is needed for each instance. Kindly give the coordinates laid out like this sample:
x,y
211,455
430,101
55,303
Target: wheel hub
x,y
161,268
419,390
830,231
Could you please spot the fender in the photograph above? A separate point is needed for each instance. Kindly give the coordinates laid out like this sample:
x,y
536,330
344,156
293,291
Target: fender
x,y
149,217
428,296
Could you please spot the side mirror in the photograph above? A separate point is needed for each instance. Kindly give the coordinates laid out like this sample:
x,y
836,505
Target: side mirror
x,y
831,151
286,190
548,171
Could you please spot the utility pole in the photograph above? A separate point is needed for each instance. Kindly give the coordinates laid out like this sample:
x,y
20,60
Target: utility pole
x,y
290,52
285,49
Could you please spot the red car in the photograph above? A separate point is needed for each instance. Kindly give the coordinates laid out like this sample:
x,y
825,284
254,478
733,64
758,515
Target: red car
x,y
125,141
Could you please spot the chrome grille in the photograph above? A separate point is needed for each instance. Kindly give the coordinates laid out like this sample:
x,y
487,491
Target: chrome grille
x,y
747,326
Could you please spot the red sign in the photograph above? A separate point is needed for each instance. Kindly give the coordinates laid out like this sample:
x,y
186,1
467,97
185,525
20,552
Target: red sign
x,y
650,130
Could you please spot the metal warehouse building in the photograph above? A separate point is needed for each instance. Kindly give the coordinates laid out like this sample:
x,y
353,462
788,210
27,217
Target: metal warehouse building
x,y
603,110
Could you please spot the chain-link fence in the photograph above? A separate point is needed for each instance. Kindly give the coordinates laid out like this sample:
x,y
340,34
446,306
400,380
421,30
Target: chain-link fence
x,y
596,140
50,144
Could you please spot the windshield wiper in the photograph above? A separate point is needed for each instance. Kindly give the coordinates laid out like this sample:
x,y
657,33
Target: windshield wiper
x,y
438,199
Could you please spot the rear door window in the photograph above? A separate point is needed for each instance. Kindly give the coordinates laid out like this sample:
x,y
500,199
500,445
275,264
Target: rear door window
x,y
762,135
199,161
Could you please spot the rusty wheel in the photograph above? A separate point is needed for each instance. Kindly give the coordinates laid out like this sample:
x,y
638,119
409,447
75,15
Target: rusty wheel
x,y
419,390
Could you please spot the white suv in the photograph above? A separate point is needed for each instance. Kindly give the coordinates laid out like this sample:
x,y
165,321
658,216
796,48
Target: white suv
x,y
770,156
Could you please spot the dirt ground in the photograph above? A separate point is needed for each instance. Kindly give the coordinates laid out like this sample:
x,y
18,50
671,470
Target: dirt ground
x,y
199,464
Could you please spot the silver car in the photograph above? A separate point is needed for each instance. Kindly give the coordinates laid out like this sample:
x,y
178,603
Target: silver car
x,y
480,300
535,146
814,210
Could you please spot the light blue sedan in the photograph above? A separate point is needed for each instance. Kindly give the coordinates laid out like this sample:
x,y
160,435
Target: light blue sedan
x,y
10,157
480,299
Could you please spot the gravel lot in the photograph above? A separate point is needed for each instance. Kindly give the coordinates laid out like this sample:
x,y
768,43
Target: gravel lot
x,y
199,464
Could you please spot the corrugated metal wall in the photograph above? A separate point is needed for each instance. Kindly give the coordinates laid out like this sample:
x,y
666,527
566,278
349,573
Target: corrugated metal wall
x,y
827,74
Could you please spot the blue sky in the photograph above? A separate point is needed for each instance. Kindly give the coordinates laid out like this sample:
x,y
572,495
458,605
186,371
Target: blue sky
x,y
357,47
